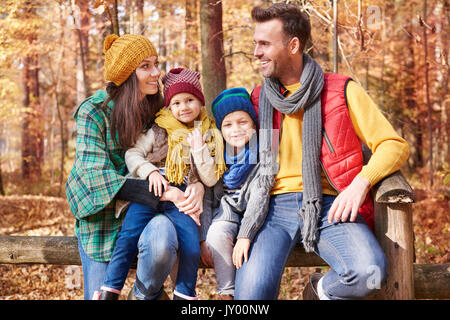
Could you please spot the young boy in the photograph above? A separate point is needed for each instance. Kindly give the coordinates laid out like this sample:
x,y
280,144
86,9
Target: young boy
x,y
244,204
172,151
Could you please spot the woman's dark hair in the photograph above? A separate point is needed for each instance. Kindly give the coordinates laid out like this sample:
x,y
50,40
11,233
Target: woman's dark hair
x,y
130,116
295,22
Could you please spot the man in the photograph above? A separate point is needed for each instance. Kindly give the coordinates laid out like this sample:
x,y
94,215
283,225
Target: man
x,y
319,193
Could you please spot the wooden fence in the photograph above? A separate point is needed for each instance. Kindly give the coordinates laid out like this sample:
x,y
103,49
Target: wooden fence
x,y
393,198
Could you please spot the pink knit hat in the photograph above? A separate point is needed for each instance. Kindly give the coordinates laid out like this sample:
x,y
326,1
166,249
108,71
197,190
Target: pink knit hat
x,y
182,80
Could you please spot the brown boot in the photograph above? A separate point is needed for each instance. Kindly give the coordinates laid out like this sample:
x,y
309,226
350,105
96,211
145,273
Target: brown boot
x,y
225,297
310,291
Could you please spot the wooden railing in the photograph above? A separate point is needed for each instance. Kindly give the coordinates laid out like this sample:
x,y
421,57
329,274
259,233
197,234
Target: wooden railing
x,y
393,199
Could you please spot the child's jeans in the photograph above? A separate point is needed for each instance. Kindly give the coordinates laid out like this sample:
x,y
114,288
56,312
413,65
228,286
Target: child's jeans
x,y
157,247
136,219
220,240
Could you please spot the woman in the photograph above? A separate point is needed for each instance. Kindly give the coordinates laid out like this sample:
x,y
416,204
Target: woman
x,y
108,123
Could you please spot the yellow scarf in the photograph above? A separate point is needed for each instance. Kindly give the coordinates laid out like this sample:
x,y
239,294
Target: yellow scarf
x,y
178,156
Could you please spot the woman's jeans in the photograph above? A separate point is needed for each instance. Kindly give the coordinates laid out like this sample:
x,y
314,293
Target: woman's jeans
x,y
358,264
137,217
157,252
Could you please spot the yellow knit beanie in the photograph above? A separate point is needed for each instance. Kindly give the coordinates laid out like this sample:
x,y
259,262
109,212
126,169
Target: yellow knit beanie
x,y
124,54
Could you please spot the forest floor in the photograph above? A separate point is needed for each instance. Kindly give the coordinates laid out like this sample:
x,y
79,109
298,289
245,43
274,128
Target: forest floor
x,y
38,215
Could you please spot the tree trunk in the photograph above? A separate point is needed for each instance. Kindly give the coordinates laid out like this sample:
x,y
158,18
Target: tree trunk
x,y
163,11
335,37
383,60
2,191
427,93
191,40
163,49
83,42
410,93
112,13
213,62
58,106
32,137
443,72
140,16
63,144
32,124
229,66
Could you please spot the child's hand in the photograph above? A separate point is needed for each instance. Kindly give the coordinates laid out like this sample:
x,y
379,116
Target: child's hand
x,y
205,255
241,250
173,194
157,182
194,199
195,139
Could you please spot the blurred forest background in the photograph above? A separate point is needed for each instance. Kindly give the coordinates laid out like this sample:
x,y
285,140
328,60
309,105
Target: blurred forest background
x,y
51,59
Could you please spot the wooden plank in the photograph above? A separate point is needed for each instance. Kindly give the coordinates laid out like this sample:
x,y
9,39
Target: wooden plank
x,y
431,280
394,189
39,249
64,251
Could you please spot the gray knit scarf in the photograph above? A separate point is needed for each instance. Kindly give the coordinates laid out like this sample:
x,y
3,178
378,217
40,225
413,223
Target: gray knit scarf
x,y
308,99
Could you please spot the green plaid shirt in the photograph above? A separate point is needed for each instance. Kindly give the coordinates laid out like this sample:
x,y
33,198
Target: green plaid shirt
x,y
96,176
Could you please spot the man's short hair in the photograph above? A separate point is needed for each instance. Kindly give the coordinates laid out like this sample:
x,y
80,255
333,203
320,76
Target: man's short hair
x,y
295,22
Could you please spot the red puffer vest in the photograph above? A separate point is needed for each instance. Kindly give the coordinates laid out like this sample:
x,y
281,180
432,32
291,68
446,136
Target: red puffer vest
x,y
341,156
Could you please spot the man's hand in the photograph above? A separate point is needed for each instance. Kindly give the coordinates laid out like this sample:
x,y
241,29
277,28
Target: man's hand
x,y
194,199
349,201
241,251
157,182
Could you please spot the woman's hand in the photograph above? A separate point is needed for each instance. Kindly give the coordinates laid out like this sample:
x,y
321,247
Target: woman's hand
x,y
205,255
241,251
157,182
195,139
194,199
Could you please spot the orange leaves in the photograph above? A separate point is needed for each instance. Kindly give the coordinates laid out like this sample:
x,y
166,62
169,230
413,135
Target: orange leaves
x,y
431,223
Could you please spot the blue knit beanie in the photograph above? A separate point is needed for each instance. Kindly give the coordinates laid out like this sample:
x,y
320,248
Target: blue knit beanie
x,y
231,100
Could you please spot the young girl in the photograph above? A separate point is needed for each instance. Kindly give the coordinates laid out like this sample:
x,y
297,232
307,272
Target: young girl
x,y
245,200
172,151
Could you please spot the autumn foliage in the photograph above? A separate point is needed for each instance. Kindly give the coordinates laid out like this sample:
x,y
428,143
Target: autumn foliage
x,y
51,59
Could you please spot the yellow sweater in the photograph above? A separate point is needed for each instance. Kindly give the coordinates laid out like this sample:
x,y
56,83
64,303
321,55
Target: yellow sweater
x,y
389,150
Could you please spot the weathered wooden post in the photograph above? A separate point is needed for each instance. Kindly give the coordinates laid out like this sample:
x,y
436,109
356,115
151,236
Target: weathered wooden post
x,y
394,230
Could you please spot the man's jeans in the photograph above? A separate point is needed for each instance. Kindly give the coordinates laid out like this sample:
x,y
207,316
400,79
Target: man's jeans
x,y
358,264
157,252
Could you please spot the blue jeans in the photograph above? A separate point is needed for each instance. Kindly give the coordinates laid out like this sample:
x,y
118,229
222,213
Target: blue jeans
x,y
137,217
358,264
157,247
